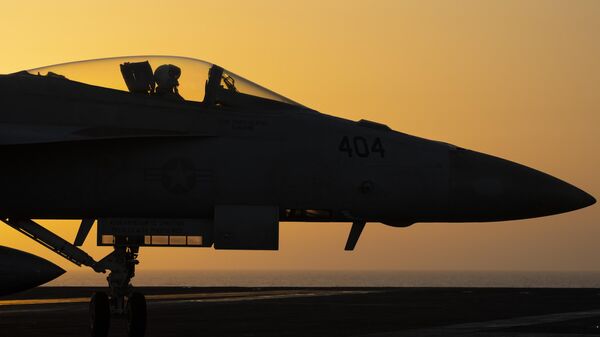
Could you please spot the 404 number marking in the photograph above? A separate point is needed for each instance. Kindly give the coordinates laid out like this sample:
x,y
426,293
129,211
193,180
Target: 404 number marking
x,y
361,147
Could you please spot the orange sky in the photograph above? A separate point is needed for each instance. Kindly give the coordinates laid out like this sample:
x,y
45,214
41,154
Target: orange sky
x,y
517,79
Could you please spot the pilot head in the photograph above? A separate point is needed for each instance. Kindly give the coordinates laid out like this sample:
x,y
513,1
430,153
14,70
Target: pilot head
x,y
166,77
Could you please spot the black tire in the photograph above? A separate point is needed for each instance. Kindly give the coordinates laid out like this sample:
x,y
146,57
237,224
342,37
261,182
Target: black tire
x,y
99,315
136,315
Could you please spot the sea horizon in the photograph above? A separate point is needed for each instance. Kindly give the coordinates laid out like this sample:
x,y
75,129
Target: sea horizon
x,y
343,278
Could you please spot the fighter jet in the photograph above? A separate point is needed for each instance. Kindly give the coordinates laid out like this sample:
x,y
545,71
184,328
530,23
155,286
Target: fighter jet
x,y
178,152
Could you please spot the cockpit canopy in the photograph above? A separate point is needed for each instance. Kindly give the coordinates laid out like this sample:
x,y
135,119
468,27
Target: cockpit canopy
x,y
169,77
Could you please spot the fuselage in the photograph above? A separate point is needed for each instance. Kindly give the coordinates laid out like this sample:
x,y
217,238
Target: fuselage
x,y
73,151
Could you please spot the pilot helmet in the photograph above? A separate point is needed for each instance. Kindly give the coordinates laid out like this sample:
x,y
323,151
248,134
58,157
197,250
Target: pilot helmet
x,y
167,76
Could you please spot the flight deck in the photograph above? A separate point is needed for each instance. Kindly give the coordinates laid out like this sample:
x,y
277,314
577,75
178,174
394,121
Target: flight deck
x,y
365,312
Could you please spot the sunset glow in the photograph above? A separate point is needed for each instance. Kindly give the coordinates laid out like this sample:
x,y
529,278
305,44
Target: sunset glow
x,y
516,79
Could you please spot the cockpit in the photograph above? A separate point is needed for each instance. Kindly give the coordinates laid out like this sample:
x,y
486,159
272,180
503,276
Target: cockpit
x,y
169,78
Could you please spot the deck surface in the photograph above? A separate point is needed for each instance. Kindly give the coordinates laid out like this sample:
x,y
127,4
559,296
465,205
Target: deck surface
x,y
373,312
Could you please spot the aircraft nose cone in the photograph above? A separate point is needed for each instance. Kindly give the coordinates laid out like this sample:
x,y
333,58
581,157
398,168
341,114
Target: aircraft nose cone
x,y
488,188
590,200
556,196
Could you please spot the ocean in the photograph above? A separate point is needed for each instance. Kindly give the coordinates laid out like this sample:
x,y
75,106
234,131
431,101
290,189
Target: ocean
x,y
320,278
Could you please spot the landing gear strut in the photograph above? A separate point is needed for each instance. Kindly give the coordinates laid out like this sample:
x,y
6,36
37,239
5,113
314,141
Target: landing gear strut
x,y
122,301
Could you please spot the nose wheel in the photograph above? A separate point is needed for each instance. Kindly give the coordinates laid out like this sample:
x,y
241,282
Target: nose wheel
x,y
99,315
136,315
123,301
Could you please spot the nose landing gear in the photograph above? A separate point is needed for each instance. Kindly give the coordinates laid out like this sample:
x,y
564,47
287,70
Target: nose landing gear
x,y
123,301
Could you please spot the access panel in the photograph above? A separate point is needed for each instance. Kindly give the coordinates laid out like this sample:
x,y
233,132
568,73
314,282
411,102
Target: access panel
x,y
247,227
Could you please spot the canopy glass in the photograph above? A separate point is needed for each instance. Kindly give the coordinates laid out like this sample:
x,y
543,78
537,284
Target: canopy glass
x,y
171,77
